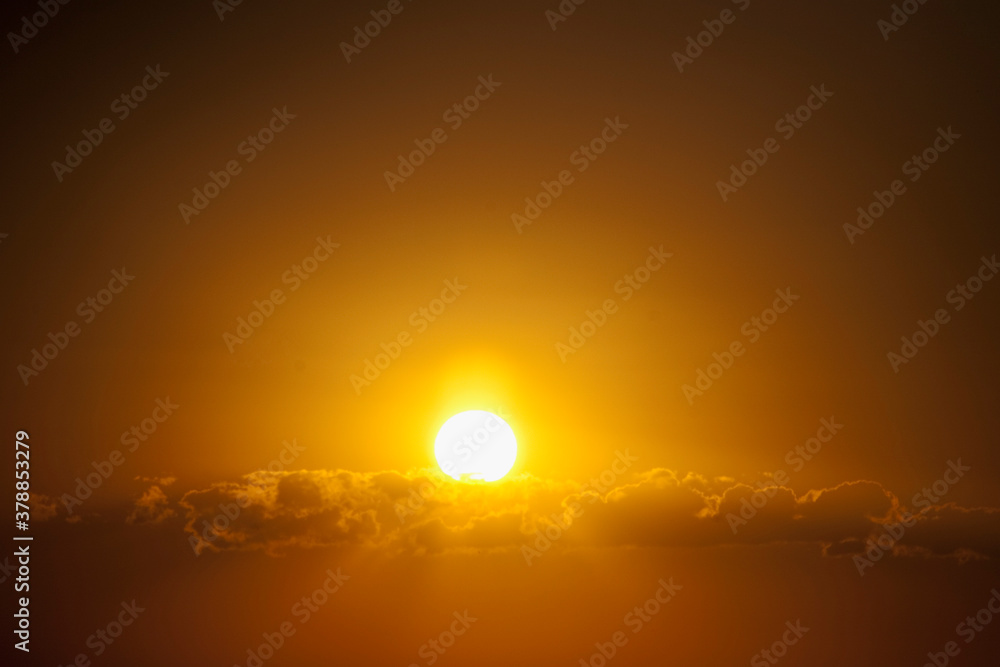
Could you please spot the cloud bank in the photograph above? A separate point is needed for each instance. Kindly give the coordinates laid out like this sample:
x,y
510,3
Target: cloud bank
x,y
424,513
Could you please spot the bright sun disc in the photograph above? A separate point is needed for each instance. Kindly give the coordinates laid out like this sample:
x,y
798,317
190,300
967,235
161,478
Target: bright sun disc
x,y
475,445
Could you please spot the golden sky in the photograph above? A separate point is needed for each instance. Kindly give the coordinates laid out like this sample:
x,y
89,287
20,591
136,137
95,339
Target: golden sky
x,y
255,258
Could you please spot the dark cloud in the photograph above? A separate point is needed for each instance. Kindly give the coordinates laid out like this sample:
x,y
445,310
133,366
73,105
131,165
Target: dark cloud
x,y
152,507
949,529
423,512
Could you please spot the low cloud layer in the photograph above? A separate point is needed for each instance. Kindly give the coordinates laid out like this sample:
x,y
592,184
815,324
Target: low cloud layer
x,y
422,512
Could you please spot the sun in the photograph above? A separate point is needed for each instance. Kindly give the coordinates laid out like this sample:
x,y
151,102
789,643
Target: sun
x,y
475,445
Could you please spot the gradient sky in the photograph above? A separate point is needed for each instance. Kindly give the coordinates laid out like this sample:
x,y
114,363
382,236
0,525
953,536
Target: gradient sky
x,y
353,456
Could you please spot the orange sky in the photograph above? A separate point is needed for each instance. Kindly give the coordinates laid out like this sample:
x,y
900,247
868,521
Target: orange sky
x,y
563,255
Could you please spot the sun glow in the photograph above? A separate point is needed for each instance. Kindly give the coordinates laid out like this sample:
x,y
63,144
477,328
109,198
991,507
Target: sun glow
x,y
475,445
